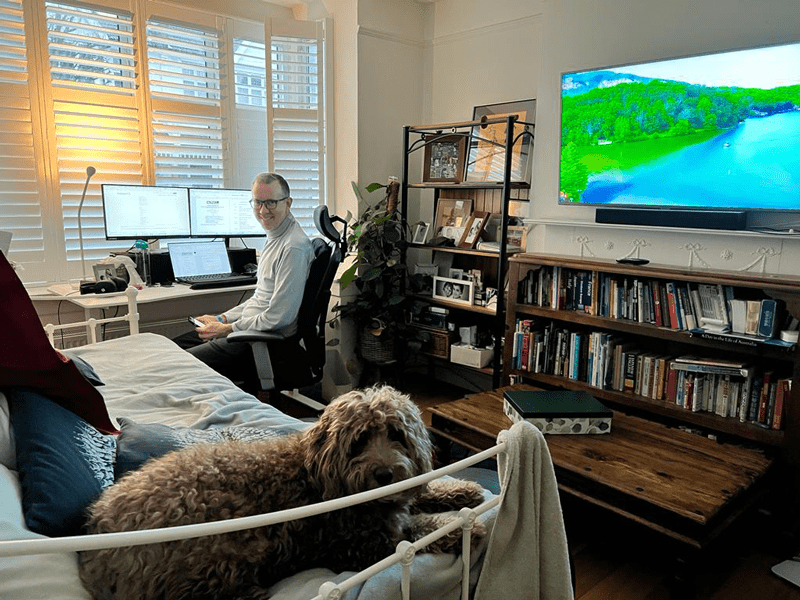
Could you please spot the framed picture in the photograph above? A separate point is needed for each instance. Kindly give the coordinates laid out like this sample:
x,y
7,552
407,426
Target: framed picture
x,y
426,269
472,231
456,273
517,235
452,212
420,233
453,290
487,154
445,157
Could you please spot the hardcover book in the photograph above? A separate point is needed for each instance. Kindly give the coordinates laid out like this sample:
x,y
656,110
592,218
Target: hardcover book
x,y
558,412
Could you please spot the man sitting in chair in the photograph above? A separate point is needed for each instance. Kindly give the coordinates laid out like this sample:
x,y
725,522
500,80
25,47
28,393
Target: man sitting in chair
x,y
283,268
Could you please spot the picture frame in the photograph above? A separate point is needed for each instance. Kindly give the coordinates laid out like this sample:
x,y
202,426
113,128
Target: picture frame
x,y
459,291
426,269
420,233
445,159
517,235
452,212
472,231
486,161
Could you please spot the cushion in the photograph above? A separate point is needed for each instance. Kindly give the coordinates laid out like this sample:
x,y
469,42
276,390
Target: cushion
x,y
85,368
138,443
28,359
63,462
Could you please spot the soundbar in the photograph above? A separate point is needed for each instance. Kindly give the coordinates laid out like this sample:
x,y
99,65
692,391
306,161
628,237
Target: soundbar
x,y
664,217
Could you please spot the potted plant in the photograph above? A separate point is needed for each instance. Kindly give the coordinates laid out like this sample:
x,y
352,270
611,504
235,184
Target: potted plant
x,y
378,238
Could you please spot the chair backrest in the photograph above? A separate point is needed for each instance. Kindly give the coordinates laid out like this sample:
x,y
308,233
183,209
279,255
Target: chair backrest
x,y
328,255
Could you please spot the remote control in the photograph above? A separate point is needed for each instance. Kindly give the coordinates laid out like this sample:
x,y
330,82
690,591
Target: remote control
x,y
633,261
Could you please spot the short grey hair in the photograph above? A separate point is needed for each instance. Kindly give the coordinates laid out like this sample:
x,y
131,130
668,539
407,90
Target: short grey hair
x,y
269,178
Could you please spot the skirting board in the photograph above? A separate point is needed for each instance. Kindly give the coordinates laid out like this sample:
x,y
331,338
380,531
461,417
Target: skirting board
x,y
695,219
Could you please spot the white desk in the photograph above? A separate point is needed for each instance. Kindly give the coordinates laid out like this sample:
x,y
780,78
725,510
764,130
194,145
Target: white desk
x,y
161,308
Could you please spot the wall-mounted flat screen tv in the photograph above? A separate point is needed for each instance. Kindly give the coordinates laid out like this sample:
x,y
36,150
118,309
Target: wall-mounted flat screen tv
x,y
718,131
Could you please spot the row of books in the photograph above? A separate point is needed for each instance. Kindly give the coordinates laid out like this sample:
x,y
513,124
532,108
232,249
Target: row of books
x,y
728,388
682,306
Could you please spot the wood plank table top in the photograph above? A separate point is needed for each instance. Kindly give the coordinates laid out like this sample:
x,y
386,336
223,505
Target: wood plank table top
x,y
674,481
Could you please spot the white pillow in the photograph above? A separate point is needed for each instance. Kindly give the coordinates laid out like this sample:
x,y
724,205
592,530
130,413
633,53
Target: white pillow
x,y
51,576
8,454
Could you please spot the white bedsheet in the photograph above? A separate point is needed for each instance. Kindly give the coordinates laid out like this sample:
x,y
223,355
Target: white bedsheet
x,y
150,380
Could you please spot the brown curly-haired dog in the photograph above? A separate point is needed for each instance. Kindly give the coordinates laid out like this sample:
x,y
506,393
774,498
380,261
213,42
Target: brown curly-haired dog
x,y
363,440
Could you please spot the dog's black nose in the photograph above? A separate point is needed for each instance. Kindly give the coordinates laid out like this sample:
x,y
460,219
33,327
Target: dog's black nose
x,y
383,476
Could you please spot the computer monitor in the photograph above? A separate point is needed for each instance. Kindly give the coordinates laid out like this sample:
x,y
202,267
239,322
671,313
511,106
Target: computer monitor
x,y
222,213
143,212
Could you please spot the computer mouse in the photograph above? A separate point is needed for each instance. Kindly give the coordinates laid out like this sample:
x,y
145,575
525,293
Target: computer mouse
x,y
250,269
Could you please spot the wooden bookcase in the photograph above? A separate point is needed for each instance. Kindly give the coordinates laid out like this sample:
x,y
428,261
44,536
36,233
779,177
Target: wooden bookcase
x,y
635,334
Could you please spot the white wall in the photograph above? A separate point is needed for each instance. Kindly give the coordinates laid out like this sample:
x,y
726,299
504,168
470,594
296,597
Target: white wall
x,y
578,34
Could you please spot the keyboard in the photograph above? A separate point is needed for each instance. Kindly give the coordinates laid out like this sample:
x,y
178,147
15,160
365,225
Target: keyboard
x,y
206,282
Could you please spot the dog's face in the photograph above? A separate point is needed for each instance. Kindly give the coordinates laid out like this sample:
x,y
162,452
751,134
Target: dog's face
x,y
367,439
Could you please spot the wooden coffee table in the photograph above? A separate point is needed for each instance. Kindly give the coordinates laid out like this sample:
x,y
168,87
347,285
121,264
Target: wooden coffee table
x,y
678,483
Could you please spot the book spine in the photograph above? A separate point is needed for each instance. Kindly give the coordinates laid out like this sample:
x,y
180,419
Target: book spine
x,y
764,400
781,396
672,386
629,378
766,321
752,317
673,307
697,368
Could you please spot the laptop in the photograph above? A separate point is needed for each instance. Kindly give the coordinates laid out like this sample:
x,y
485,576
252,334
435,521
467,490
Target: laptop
x,y
204,265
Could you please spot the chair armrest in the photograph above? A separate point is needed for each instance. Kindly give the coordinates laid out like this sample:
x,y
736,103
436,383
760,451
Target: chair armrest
x,y
253,335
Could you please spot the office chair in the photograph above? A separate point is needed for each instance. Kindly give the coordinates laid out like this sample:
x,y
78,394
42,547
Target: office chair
x,y
297,361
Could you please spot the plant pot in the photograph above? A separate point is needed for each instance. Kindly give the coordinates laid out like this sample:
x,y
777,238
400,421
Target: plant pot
x,y
377,349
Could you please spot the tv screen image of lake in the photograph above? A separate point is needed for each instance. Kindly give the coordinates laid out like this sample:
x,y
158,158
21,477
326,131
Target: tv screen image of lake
x,y
754,165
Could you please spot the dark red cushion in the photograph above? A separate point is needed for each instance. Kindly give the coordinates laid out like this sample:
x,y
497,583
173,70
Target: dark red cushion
x,y
28,359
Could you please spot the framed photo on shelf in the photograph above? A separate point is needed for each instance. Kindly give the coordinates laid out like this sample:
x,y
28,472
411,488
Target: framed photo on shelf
x,y
453,290
452,212
420,233
487,154
445,157
517,235
473,229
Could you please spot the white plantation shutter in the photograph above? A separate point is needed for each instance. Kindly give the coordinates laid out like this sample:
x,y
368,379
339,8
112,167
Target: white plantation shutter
x,y
295,113
95,115
188,130
20,210
250,80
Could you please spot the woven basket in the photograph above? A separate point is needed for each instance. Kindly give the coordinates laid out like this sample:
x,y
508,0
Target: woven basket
x,y
377,349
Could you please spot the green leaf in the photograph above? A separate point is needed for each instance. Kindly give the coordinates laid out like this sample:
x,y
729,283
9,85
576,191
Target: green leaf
x,y
357,191
372,273
374,186
348,276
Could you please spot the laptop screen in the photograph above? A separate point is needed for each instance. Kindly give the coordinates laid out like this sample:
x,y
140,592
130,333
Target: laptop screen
x,y
190,259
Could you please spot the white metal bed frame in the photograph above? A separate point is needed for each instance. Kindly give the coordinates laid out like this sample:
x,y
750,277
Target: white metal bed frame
x,y
404,553
132,317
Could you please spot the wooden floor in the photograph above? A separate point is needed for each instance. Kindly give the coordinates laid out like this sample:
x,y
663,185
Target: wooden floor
x,y
616,560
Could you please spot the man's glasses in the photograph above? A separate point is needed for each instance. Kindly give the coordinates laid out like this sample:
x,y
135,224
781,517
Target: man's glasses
x,y
266,203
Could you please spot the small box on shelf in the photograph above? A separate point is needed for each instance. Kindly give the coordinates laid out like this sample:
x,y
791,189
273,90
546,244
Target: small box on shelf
x,y
470,356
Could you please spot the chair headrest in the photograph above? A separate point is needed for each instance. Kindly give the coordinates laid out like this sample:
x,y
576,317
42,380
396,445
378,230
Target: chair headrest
x,y
324,224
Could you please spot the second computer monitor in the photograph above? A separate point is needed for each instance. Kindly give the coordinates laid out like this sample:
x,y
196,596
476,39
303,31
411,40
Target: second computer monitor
x,y
222,213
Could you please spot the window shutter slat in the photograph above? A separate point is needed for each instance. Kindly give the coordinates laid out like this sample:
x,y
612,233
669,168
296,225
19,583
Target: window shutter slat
x,y
184,70
92,50
296,105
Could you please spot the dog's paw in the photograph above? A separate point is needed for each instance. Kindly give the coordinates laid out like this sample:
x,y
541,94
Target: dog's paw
x,y
447,494
450,543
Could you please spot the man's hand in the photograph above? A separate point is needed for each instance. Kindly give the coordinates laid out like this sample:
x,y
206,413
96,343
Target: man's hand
x,y
212,328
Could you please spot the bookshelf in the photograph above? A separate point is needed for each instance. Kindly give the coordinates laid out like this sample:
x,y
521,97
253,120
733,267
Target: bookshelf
x,y
593,337
492,198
